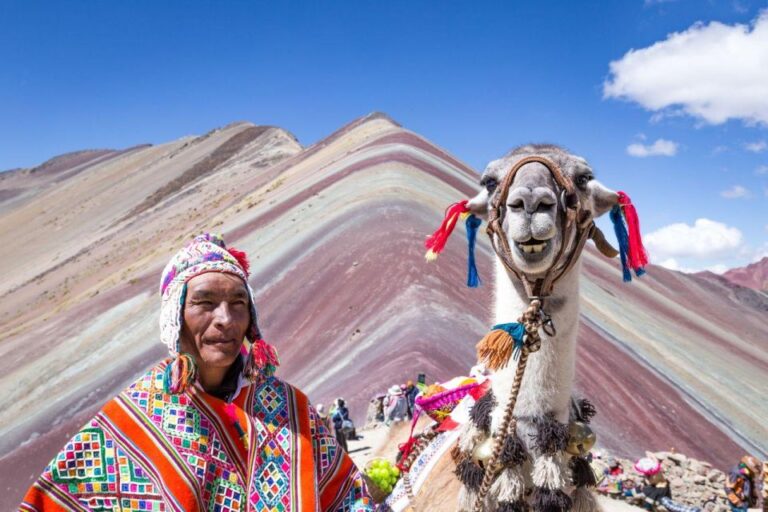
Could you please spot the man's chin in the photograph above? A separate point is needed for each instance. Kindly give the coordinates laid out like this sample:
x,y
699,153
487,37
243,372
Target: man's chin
x,y
219,358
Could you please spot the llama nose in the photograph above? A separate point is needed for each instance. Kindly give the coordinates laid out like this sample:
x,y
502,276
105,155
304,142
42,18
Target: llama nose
x,y
540,200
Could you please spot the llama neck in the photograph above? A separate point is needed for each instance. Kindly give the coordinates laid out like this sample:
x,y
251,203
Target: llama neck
x,y
548,380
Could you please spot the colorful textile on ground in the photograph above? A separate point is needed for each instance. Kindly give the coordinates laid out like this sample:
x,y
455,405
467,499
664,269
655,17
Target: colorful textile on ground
x,y
148,450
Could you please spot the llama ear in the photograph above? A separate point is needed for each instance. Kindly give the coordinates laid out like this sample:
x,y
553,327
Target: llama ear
x,y
603,198
478,205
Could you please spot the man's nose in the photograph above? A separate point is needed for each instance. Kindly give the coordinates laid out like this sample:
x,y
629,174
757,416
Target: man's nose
x,y
222,315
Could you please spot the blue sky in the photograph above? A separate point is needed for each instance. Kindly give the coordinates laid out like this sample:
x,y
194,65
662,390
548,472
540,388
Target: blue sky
x,y
477,78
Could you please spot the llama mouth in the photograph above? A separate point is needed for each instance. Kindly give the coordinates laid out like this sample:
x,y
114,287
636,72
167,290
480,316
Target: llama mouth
x,y
533,249
532,246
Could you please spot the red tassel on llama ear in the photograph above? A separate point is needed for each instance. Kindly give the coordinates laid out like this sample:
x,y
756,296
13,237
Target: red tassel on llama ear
x,y
637,255
436,242
241,258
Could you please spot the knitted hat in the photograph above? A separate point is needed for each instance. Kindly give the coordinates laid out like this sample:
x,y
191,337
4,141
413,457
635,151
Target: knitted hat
x,y
648,466
205,253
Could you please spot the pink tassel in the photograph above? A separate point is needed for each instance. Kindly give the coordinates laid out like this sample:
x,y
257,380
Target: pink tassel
x,y
241,258
638,256
232,415
436,242
262,361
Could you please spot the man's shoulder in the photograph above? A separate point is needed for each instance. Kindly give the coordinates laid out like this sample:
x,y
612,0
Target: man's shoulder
x,y
151,379
272,384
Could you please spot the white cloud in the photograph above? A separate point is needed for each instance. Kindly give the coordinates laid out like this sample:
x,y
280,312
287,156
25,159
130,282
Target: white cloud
x,y
672,264
763,169
761,252
736,192
705,239
713,72
661,147
756,147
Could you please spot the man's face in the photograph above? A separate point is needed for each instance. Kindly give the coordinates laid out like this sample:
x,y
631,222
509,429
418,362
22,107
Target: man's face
x,y
216,318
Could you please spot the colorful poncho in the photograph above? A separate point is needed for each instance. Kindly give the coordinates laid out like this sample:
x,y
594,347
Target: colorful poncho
x,y
148,450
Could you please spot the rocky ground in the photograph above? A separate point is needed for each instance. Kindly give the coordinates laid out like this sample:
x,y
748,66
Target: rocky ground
x,y
692,482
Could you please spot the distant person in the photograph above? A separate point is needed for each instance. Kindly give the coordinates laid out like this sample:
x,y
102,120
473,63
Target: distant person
x,y
656,492
211,424
421,381
320,408
411,391
395,405
342,425
741,484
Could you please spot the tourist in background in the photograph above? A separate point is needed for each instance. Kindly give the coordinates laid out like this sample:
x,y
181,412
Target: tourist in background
x,y
395,405
741,484
342,425
411,392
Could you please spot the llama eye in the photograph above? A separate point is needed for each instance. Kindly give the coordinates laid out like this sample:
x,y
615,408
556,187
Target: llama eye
x,y
490,184
582,180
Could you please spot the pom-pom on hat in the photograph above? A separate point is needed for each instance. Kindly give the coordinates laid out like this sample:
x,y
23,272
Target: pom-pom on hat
x,y
648,466
205,253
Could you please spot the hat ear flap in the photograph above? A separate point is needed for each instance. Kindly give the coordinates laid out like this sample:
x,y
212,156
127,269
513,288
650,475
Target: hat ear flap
x,y
179,374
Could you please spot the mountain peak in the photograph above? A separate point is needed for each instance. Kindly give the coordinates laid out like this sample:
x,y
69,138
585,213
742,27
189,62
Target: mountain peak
x,y
754,275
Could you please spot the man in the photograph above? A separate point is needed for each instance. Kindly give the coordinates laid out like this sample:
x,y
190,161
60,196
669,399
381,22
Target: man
x,y
211,428
740,486
411,392
421,382
339,417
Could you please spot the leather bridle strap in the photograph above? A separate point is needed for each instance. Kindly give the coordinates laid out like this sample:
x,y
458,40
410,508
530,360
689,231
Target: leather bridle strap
x,y
575,220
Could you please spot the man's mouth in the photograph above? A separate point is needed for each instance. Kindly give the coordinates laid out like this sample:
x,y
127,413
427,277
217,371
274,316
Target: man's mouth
x,y
223,341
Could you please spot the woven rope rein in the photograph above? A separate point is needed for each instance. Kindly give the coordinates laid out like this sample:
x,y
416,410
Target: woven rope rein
x,y
531,319
422,443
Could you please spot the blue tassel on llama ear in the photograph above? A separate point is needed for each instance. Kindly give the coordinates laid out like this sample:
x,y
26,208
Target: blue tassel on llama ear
x,y
472,224
623,238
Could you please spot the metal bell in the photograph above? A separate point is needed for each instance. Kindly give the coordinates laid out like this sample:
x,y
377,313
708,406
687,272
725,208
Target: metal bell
x,y
483,450
580,438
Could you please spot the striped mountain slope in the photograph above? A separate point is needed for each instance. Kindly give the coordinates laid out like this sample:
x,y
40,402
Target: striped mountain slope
x,y
335,234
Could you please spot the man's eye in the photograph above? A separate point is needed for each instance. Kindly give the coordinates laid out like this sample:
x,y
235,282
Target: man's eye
x,y
490,184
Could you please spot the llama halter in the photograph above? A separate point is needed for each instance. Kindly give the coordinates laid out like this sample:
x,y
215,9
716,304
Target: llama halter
x,y
577,226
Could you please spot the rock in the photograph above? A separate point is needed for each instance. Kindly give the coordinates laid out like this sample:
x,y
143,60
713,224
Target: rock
x,y
697,467
675,472
679,458
699,479
715,476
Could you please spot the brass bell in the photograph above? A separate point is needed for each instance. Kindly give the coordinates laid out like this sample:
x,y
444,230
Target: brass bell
x,y
580,438
483,450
